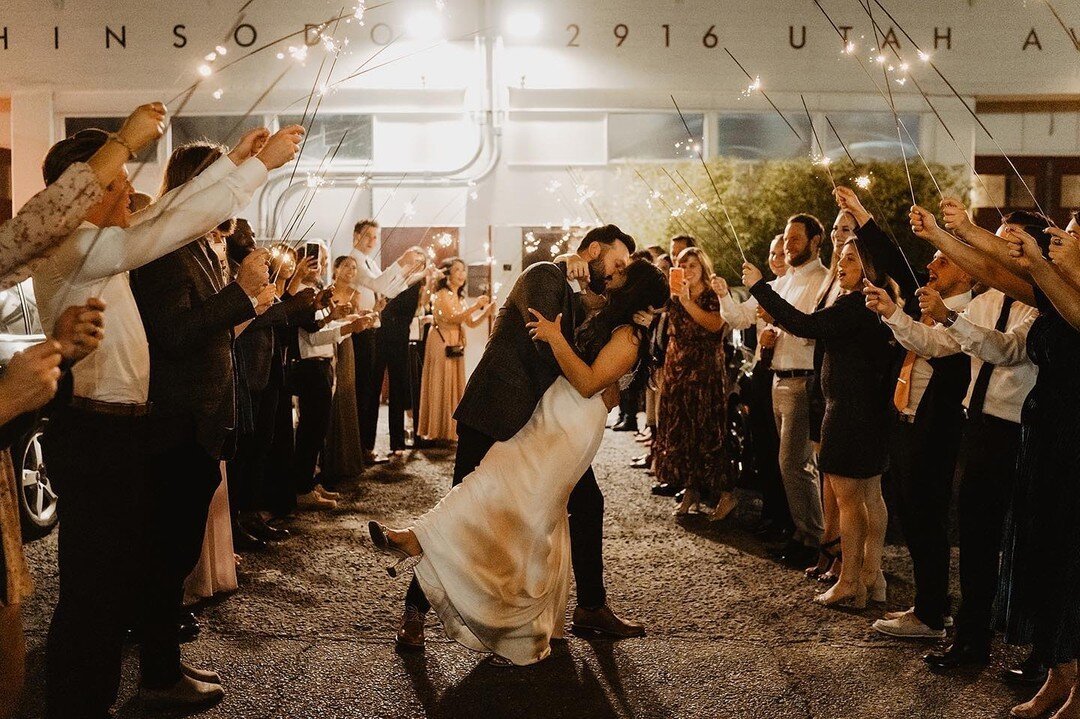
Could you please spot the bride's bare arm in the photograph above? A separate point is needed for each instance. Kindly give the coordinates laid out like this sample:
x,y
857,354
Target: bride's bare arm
x,y
616,358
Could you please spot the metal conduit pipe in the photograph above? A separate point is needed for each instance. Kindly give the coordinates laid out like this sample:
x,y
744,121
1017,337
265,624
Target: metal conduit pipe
x,y
490,139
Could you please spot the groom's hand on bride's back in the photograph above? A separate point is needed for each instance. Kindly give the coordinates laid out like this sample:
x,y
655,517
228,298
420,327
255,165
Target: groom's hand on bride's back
x,y
544,329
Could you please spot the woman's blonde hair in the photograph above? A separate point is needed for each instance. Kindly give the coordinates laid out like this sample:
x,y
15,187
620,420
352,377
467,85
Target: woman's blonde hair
x,y
703,259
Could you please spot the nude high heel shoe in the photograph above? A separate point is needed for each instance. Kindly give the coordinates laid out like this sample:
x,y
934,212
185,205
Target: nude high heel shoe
x,y
381,540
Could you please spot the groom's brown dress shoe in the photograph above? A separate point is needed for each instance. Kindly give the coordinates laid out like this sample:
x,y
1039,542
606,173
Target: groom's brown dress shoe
x,y
604,621
410,636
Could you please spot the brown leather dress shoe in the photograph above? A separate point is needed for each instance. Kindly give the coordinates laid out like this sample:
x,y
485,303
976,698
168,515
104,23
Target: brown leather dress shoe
x,y
410,636
604,621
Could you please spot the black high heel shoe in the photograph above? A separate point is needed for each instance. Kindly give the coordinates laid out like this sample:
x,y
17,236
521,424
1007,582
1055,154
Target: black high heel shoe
x,y
382,542
830,559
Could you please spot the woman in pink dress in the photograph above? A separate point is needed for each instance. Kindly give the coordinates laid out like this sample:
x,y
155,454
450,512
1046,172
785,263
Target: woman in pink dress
x,y
444,357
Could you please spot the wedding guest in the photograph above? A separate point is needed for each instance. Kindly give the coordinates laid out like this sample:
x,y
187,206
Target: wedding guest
x,y
215,572
1027,577
631,398
392,356
993,332
925,433
295,281
853,447
259,365
29,381
444,355
191,311
50,216
653,383
793,367
374,284
95,445
830,562
689,449
342,457
776,517
1041,560
313,384
679,243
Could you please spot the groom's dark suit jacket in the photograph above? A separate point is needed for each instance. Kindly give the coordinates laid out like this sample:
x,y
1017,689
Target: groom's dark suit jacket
x,y
515,370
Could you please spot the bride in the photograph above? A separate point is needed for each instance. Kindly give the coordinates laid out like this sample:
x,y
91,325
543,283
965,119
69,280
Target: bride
x,y
493,557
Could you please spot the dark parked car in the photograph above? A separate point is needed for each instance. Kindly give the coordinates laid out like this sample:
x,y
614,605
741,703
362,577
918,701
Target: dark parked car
x,y
739,346
20,327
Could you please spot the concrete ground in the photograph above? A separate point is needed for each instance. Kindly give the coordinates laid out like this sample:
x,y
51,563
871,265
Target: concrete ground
x,y
730,633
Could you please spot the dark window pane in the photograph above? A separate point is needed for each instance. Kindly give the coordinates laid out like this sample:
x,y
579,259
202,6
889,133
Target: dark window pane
x,y
108,124
653,136
869,135
762,136
222,129
326,132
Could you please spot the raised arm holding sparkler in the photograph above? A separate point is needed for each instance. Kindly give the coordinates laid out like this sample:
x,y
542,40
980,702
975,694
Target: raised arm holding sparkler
x,y
981,266
1027,253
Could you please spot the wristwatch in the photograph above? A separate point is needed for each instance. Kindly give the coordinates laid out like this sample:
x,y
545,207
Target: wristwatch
x,y
950,318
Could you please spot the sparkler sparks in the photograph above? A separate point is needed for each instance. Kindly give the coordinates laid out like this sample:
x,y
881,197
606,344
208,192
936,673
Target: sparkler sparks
x,y
862,182
752,87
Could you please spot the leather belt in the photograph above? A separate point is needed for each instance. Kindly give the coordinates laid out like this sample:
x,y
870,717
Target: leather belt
x,y
793,373
113,409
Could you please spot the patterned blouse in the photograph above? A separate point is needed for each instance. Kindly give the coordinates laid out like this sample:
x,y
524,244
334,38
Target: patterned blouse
x,y
45,221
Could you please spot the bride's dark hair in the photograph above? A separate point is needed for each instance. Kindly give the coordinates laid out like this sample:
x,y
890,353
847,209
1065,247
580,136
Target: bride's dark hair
x,y
644,287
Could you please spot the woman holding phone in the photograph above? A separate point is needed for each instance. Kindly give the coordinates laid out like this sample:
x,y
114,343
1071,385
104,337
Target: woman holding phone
x,y
689,447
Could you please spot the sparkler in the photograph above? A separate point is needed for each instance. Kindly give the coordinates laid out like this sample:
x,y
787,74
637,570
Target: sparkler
x,y
821,148
863,182
755,86
971,111
1072,38
677,216
701,207
712,180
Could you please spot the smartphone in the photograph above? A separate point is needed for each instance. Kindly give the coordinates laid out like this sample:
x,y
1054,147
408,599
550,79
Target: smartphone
x,y
676,280
311,249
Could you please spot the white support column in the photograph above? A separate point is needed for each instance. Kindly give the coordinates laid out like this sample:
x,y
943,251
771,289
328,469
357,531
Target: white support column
x,y
31,138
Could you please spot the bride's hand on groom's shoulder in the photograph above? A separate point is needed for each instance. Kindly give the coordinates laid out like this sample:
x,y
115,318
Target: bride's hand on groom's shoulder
x,y
544,329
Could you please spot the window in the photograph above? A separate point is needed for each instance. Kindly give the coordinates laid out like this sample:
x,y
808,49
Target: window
x,y
869,135
108,124
762,136
653,136
222,129
327,131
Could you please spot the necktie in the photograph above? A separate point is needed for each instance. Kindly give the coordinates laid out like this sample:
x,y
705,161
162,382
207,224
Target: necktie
x,y
982,382
902,393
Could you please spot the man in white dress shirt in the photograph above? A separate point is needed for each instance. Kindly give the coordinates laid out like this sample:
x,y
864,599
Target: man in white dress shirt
x,y
793,367
94,446
992,331
374,284
776,517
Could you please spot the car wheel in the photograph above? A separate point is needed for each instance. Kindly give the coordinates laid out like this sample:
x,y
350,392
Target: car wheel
x,y
37,498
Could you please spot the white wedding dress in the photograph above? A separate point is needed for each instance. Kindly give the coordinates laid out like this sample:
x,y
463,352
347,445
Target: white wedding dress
x,y
496,563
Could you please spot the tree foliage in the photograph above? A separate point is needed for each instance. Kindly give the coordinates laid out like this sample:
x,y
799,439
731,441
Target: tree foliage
x,y
759,197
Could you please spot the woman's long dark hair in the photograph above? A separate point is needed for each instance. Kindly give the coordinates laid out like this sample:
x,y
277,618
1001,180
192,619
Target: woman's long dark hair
x,y
444,280
645,287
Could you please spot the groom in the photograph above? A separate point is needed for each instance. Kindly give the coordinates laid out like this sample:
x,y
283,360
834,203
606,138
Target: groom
x,y
501,396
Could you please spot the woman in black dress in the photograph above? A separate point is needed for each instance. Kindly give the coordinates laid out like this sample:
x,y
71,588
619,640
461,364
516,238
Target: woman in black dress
x,y
1042,551
853,438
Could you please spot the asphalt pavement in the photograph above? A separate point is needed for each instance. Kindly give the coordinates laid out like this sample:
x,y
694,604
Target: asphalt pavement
x,y
730,633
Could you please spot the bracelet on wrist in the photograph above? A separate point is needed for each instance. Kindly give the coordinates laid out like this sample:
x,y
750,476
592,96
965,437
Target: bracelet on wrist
x,y
115,137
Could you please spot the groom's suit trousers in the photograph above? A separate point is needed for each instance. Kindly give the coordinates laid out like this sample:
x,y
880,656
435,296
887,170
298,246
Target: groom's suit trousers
x,y
586,509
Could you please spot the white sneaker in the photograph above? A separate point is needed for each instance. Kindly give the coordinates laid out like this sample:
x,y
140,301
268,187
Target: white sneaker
x,y
896,615
314,500
907,626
